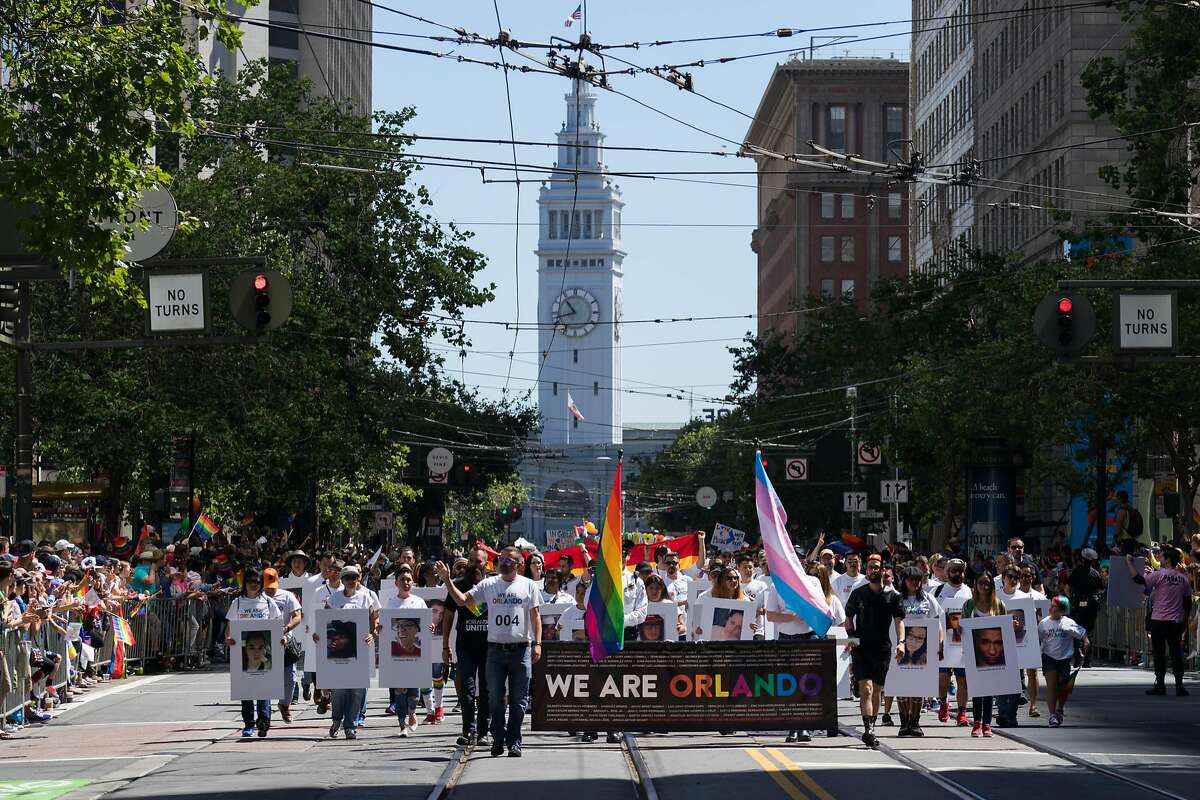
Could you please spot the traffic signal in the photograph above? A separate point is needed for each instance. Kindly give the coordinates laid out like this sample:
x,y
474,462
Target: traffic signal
x,y
514,513
464,474
1064,322
261,300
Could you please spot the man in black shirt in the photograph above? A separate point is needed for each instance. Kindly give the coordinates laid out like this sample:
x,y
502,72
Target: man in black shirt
x,y
870,611
471,651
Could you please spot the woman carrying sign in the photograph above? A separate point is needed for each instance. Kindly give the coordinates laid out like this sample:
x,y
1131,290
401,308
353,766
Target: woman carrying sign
x,y
916,603
983,603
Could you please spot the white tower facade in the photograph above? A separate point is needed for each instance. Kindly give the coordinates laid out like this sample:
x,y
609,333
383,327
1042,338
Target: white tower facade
x,y
580,303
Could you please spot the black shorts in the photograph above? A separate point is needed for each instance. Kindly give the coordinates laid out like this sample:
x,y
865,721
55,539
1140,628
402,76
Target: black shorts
x,y
869,666
1060,667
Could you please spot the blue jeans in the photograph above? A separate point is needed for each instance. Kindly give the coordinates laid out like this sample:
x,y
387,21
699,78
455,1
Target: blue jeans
x,y
1006,706
472,669
263,707
289,684
405,701
512,664
347,704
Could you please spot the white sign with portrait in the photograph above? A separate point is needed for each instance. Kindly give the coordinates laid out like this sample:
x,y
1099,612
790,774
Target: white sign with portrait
x,y
694,612
728,620
952,635
305,589
915,672
1023,611
344,657
256,659
435,598
989,656
405,648
573,630
550,614
661,625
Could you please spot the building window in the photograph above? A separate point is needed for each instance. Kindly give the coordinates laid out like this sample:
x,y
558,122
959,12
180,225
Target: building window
x,y
617,224
835,137
848,289
596,388
600,262
895,249
288,6
894,205
553,225
287,38
289,67
575,224
554,388
575,356
599,217
827,288
587,225
847,248
827,249
893,127
847,206
574,422
826,205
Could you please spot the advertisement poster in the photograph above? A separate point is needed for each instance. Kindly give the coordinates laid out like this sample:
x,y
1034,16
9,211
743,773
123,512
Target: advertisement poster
x,y
690,686
989,509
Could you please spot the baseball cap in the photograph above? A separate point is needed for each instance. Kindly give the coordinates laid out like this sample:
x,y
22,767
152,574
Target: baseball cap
x,y
270,578
62,544
644,566
1089,554
351,571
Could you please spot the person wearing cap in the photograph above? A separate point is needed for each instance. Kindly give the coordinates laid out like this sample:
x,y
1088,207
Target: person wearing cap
x,y
953,594
297,562
1084,586
143,581
331,572
348,703
252,604
289,608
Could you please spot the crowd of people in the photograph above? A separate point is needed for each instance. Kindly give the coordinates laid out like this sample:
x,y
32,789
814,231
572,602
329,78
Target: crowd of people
x,y
489,656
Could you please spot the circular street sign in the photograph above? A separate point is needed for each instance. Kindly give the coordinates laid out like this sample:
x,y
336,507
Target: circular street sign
x,y
706,496
157,207
439,460
869,454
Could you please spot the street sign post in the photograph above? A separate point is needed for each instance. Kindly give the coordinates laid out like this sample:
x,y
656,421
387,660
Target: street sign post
x,y
1146,322
796,469
869,455
176,301
893,491
706,497
854,502
157,208
439,460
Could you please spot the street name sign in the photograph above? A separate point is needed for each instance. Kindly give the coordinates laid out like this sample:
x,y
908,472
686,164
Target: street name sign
x,y
1146,322
157,208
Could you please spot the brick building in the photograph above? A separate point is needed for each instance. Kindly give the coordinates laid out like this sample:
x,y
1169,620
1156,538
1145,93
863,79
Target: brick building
x,y
822,233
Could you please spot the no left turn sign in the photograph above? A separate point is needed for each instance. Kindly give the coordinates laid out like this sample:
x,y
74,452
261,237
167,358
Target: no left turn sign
x,y
869,455
797,469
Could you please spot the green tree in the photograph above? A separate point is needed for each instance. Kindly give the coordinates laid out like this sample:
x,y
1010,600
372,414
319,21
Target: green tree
x,y
86,91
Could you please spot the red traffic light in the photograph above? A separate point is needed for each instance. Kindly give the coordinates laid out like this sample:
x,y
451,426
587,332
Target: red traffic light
x,y
1065,305
466,467
261,283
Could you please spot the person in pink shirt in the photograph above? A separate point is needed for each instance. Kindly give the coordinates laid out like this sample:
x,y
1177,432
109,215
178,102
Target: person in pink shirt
x,y
1170,601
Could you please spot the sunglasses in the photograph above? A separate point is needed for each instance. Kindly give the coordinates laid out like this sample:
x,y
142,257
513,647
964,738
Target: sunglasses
x,y
506,561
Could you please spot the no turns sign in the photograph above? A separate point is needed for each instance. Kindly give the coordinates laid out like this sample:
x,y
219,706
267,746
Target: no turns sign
x,y
796,469
869,455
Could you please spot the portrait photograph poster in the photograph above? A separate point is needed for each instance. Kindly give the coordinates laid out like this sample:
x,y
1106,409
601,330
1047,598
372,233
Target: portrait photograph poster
x,y
668,616
952,647
405,648
256,659
728,620
915,673
305,589
1023,611
344,659
843,661
550,614
693,615
989,656
435,598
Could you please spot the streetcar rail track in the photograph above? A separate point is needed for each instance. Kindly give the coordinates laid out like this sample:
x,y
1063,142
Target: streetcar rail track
x,y
451,773
637,766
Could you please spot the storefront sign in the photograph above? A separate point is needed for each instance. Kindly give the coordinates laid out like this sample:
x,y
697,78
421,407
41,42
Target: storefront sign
x,y
687,686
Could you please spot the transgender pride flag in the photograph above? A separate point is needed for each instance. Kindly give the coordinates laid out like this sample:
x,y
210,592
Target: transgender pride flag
x,y
801,593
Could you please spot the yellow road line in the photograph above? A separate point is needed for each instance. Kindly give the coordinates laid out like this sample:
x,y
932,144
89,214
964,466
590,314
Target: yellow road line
x,y
801,775
777,774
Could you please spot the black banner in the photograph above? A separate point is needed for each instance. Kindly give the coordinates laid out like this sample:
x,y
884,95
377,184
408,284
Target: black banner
x,y
687,686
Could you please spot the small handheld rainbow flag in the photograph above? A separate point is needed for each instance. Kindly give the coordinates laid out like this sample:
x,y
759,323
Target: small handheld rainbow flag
x,y
206,527
122,632
604,618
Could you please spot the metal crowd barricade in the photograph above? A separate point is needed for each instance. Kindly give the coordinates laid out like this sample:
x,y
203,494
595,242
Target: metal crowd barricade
x,y
175,628
17,651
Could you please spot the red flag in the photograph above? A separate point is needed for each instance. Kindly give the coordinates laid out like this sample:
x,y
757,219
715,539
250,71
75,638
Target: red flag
x,y
686,547
551,557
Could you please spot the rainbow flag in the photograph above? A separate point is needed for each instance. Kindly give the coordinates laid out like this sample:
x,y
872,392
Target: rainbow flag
x,y
121,631
206,527
604,618
801,593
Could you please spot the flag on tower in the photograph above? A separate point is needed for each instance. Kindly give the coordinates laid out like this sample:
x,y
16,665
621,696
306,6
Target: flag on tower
x,y
574,409
575,16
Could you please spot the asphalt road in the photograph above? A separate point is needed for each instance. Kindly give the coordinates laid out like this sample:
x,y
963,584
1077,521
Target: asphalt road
x,y
178,736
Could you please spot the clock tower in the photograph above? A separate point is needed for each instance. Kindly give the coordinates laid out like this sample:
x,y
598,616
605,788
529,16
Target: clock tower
x,y
579,286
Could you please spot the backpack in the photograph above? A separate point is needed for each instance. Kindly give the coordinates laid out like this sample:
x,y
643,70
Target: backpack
x,y
1136,525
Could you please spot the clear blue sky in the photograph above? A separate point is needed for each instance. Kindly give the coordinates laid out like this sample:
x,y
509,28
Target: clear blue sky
x,y
671,270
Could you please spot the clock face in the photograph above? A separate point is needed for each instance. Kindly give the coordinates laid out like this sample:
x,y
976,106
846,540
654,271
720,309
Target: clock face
x,y
575,312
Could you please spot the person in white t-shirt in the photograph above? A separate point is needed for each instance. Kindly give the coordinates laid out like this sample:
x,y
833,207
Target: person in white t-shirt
x,y
675,580
289,607
404,700
754,589
252,604
954,593
348,703
846,583
1027,576
1057,634
514,642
